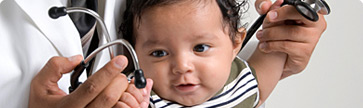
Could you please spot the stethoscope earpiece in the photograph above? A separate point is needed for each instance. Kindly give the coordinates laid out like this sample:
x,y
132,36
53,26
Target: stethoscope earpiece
x,y
140,81
56,12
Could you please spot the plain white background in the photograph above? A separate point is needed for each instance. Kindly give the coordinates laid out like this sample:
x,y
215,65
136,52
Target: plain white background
x,y
334,75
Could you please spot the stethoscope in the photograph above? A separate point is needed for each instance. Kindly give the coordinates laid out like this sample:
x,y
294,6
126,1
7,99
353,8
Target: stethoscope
x,y
307,8
138,74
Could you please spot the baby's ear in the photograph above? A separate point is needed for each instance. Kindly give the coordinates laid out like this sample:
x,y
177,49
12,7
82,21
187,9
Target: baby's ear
x,y
240,35
238,39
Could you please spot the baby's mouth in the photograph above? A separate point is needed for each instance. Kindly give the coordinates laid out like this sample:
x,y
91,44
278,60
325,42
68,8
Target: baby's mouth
x,y
186,87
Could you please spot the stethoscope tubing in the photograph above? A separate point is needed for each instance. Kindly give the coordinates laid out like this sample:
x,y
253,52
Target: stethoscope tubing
x,y
80,68
253,29
107,45
140,81
259,21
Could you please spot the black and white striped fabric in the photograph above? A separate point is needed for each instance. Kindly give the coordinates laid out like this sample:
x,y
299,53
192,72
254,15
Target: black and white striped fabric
x,y
244,86
86,26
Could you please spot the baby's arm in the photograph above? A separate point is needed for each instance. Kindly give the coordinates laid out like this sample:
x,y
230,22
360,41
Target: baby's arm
x,y
269,68
287,32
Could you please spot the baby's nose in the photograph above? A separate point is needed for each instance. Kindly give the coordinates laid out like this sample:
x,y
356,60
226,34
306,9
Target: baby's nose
x,y
182,64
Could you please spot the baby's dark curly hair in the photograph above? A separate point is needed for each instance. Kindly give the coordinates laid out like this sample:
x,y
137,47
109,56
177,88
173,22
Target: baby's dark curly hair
x,y
230,9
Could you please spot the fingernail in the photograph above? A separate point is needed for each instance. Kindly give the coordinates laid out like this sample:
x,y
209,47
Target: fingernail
x,y
73,58
119,63
272,15
144,92
260,6
263,46
259,34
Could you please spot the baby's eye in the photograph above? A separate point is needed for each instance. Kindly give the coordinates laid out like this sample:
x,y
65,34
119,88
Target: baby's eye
x,y
201,48
159,53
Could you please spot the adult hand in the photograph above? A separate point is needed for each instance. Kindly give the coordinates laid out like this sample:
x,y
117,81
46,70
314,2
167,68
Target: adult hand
x,y
286,30
102,89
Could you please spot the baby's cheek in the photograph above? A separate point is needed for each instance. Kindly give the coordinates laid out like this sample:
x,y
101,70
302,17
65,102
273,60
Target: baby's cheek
x,y
218,81
149,73
217,77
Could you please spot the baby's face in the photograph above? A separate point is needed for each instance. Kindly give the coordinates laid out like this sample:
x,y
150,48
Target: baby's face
x,y
183,47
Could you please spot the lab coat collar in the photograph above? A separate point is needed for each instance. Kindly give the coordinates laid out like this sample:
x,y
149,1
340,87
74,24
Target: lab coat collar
x,y
60,32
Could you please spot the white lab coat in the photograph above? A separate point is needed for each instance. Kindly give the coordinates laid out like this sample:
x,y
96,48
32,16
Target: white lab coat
x,y
29,38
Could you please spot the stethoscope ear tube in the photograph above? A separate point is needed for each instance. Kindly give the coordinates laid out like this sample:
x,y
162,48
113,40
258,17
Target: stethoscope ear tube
x,y
140,81
253,29
76,74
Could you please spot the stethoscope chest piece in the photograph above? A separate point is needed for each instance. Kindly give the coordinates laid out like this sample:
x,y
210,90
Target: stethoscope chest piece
x,y
310,8
307,8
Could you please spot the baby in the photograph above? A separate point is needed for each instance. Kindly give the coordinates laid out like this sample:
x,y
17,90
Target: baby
x,y
189,49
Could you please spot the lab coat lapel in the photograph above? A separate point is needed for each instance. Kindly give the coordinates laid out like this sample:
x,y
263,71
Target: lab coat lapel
x,y
60,32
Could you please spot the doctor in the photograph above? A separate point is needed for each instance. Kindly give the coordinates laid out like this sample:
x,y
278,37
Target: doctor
x,y
29,39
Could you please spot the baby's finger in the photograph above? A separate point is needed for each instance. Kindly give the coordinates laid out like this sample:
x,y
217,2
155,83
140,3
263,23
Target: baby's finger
x,y
137,93
148,88
130,100
143,91
120,104
111,94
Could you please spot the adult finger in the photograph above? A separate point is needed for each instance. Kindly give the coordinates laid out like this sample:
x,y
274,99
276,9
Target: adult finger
x,y
96,83
262,6
276,4
286,13
44,90
286,32
56,66
111,94
289,47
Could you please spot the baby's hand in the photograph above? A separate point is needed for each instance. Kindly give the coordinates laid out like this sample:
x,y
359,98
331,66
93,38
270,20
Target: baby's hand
x,y
134,97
